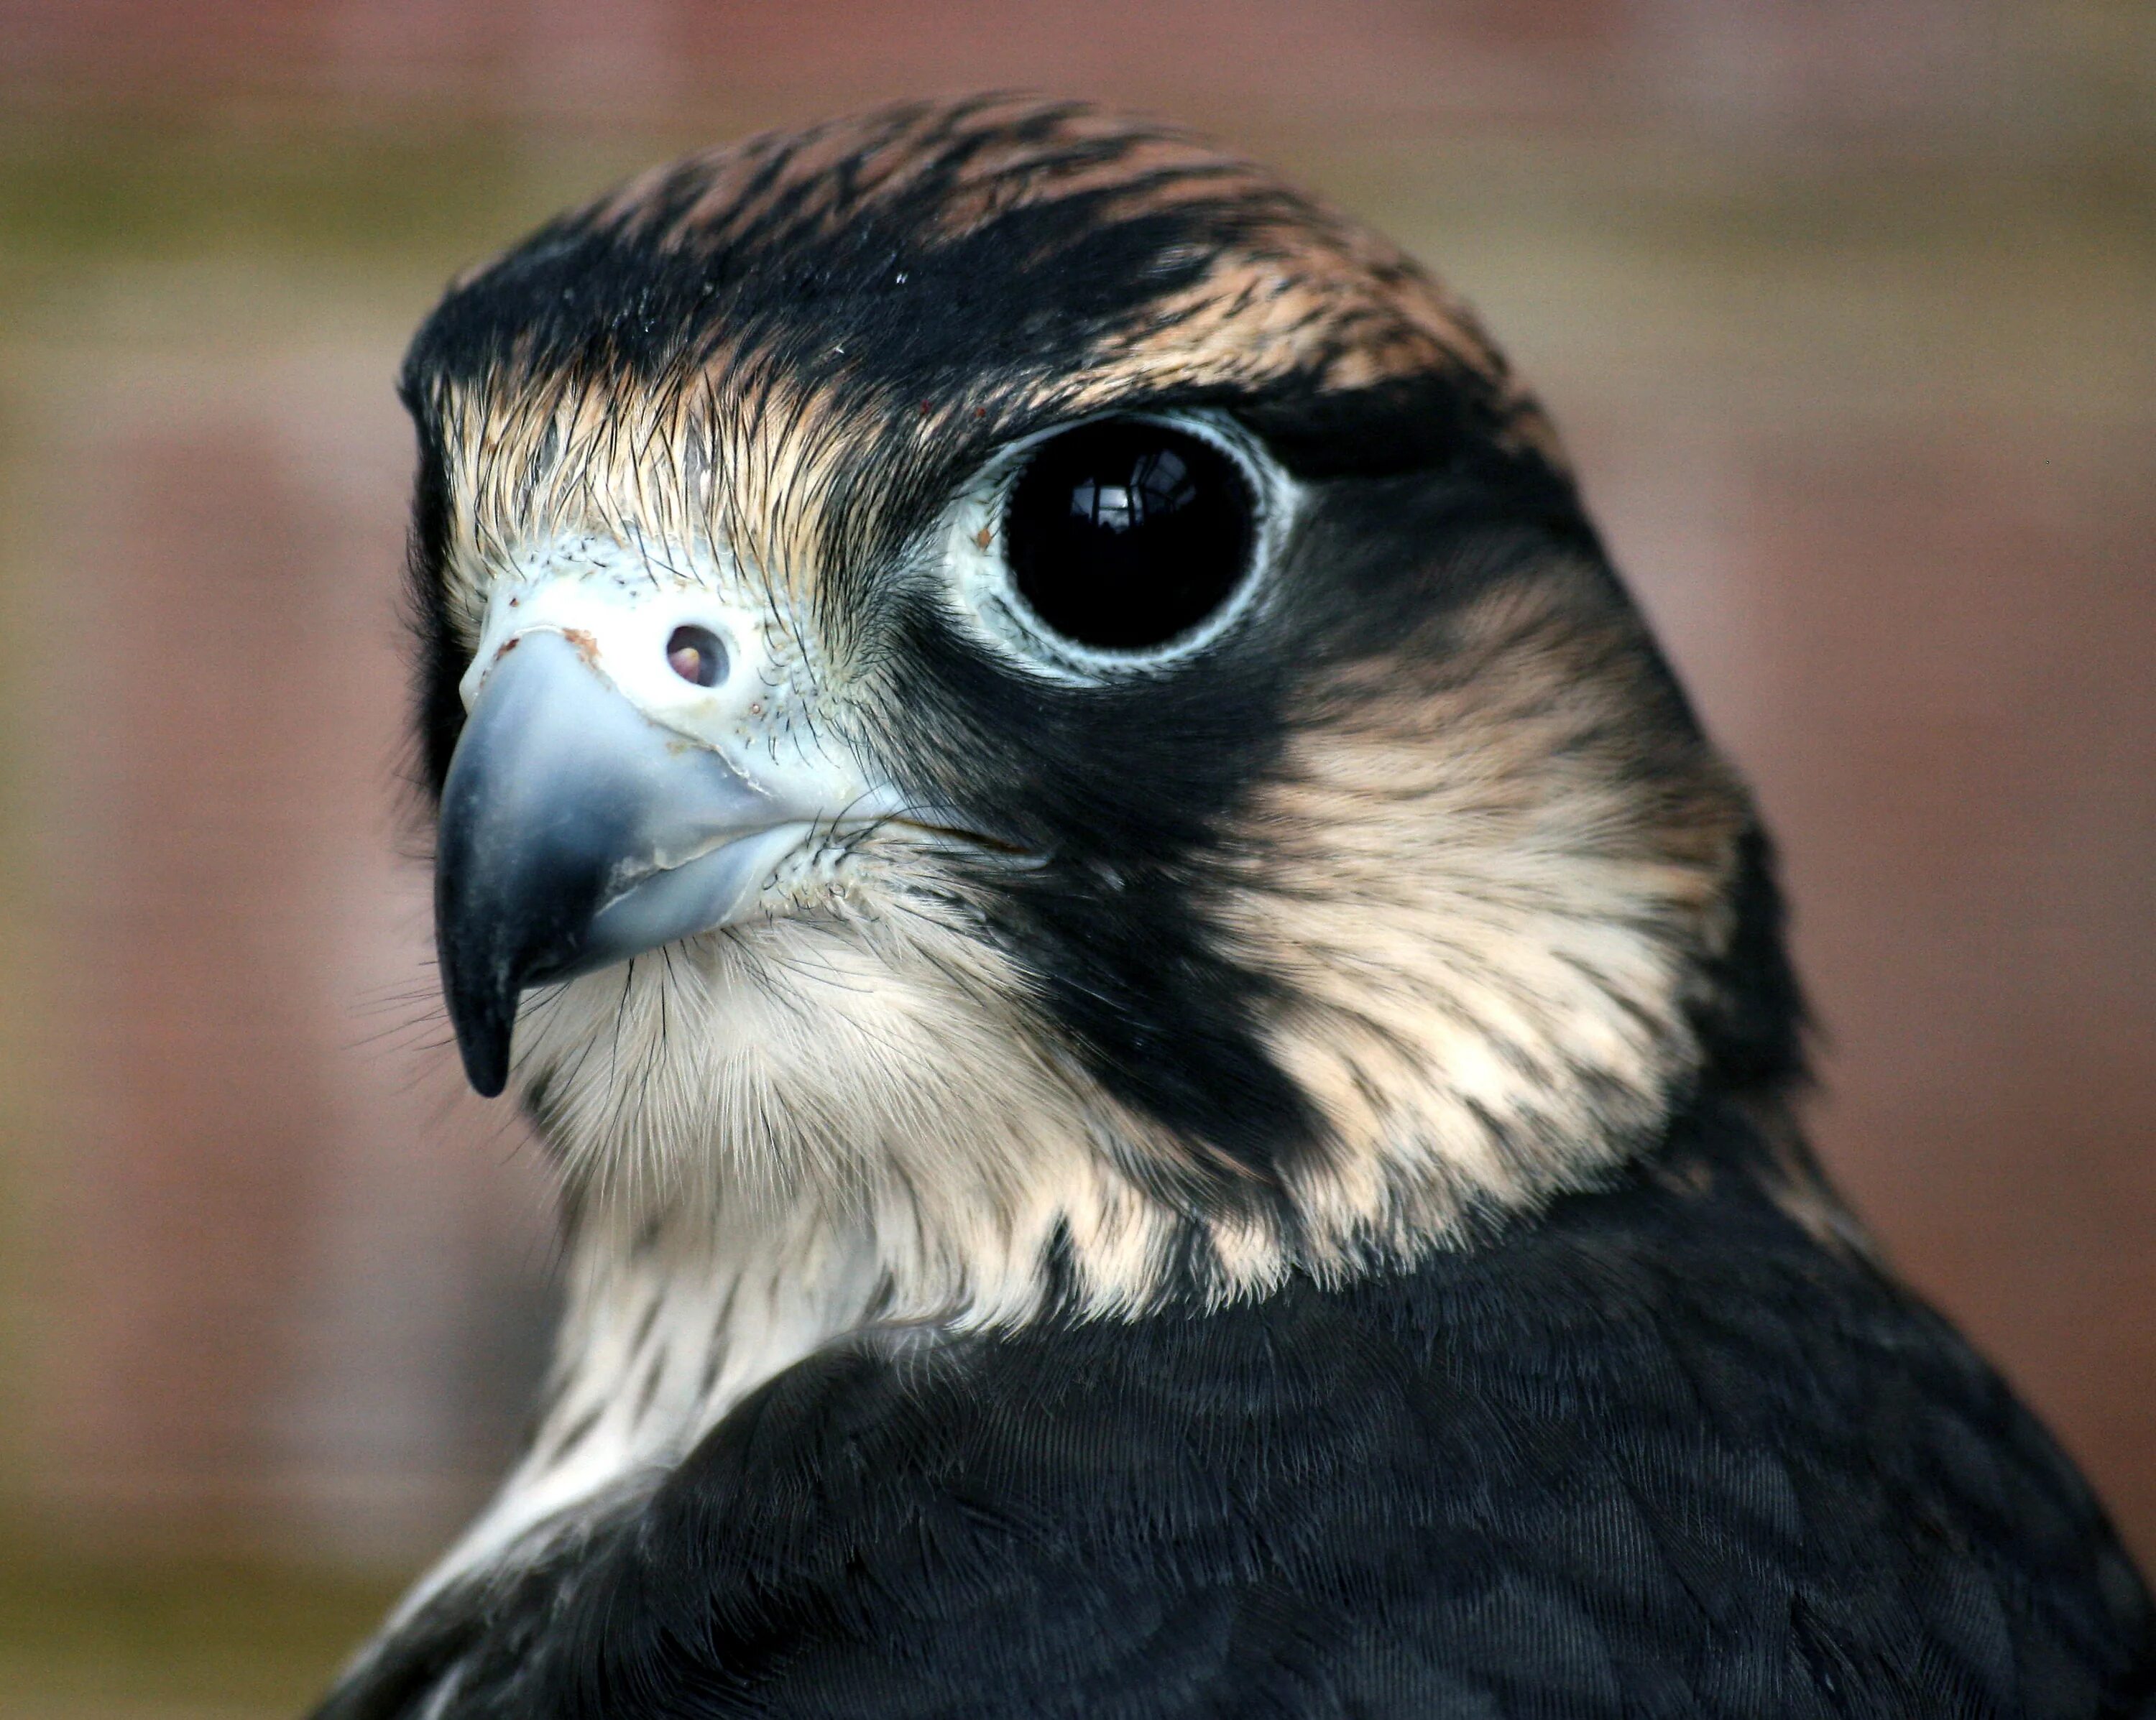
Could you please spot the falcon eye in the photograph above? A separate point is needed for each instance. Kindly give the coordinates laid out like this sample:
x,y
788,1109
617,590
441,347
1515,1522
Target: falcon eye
x,y
1125,535
695,655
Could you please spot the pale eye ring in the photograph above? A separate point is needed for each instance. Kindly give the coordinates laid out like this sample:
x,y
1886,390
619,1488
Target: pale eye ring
x,y
1119,544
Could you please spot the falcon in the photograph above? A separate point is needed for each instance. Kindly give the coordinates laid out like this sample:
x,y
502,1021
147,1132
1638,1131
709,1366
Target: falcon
x,y
1168,1054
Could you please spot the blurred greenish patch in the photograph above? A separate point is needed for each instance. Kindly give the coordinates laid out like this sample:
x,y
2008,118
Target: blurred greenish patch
x,y
78,190
148,1637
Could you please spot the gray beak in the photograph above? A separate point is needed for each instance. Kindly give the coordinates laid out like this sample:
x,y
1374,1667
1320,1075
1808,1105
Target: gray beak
x,y
576,832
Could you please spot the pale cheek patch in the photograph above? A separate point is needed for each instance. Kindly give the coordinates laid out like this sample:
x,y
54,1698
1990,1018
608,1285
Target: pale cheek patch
x,y
1484,931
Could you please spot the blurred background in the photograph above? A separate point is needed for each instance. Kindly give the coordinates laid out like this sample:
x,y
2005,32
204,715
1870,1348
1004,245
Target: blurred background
x,y
1847,307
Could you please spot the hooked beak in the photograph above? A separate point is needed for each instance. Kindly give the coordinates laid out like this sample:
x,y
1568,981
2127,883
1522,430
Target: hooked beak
x,y
576,832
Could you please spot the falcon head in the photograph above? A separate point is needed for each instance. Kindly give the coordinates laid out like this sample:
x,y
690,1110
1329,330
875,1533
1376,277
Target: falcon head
x,y
996,676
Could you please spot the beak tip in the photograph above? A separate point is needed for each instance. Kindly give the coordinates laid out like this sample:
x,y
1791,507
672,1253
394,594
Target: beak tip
x,y
484,1020
484,1045
486,1067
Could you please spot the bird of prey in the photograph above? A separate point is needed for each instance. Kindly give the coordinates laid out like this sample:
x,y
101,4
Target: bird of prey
x,y
1169,1056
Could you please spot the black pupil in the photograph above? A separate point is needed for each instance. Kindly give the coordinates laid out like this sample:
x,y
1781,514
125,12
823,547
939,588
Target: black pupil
x,y
1124,536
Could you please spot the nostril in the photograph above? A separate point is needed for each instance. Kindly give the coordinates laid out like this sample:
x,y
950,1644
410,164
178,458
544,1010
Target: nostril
x,y
694,654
